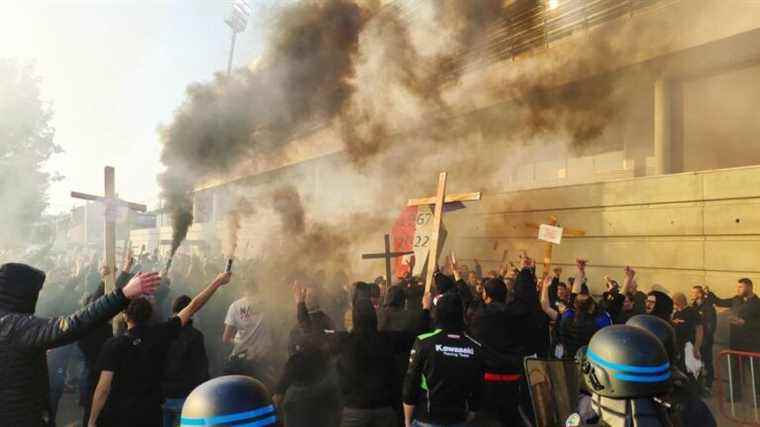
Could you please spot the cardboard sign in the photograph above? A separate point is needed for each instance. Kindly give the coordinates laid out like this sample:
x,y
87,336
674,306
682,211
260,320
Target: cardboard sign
x,y
550,233
413,231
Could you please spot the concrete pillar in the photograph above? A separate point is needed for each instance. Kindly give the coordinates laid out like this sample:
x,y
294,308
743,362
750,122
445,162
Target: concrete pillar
x,y
662,135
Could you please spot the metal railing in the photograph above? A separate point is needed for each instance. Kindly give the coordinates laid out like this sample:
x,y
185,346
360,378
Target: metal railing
x,y
529,24
738,391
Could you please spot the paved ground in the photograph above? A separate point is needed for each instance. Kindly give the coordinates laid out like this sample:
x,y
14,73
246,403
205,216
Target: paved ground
x,y
70,414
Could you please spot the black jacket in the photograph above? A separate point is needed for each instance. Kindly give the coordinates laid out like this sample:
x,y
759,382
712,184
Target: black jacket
x,y
24,339
709,318
526,295
186,364
501,328
445,377
365,358
746,337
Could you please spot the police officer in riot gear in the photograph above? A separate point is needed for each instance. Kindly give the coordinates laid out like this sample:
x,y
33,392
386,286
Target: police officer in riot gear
x,y
230,400
627,371
685,406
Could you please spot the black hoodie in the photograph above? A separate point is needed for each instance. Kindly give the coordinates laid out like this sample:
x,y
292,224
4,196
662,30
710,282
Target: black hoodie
x,y
365,358
24,340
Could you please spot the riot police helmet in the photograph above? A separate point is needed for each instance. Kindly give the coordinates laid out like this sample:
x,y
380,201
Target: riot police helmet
x,y
626,362
660,328
229,400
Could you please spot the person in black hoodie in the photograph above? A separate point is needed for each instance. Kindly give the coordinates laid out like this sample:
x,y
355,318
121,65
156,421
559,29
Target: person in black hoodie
x,y
394,317
365,363
497,326
307,392
25,338
186,366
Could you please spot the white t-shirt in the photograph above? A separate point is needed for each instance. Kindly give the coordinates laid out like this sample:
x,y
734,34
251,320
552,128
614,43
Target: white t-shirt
x,y
253,336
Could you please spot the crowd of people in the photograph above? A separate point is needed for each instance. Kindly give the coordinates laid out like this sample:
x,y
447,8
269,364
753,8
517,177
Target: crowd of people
x,y
366,354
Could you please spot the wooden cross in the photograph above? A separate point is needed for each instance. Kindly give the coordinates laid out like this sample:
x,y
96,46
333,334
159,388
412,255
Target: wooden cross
x,y
439,200
566,232
388,255
111,202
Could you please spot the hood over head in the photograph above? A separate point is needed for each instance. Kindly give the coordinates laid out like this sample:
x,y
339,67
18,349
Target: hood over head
x,y
395,297
364,317
20,285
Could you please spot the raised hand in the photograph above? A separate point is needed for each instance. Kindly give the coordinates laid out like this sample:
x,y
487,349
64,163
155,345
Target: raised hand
x,y
629,272
142,284
223,278
427,301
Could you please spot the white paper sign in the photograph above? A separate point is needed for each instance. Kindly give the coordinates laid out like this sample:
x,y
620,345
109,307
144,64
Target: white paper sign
x,y
550,233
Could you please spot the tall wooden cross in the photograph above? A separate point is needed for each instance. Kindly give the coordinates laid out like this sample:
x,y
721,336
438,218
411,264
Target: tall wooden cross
x,y
566,232
439,200
112,203
387,255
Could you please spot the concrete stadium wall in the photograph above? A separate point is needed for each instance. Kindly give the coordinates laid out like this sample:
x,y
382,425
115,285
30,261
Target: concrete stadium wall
x,y
675,230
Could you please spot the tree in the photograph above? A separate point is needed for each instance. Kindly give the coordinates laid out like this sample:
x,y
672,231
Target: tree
x,y
26,143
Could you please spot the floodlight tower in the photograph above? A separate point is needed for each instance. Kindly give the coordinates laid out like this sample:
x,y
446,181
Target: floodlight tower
x,y
237,21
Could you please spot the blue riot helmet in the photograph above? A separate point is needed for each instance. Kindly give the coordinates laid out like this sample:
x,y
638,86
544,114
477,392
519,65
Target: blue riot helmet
x,y
626,362
229,400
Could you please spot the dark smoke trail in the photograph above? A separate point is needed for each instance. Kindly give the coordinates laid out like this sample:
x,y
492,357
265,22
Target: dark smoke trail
x,y
242,208
306,78
286,202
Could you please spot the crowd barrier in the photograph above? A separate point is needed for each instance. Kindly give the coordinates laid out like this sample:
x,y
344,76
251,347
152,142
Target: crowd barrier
x,y
738,375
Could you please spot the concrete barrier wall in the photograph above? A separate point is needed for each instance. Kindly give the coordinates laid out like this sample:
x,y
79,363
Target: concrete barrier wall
x,y
675,230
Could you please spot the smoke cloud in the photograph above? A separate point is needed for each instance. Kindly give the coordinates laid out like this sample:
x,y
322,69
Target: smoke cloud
x,y
389,84
242,208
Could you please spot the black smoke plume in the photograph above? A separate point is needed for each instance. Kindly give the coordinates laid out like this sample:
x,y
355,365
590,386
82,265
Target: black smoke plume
x,y
304,78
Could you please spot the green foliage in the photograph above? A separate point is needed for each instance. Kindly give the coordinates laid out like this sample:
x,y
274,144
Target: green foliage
x,y
26,143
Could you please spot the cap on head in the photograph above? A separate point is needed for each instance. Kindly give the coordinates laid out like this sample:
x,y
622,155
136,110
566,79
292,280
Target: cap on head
x,y
229,400
626,362
20,285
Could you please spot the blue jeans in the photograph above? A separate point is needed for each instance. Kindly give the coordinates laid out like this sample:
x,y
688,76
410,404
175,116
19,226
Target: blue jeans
x,y
172,411
416,423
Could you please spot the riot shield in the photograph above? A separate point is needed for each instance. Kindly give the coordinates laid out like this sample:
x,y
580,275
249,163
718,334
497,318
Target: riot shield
x,y
554,386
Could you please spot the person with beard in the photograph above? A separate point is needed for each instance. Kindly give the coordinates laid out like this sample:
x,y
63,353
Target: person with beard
x,y
366,362
744,331
444,383
25,338
659,304
496,325
128,393
709,318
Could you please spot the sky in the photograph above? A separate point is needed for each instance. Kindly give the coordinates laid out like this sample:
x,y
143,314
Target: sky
x,y
114,70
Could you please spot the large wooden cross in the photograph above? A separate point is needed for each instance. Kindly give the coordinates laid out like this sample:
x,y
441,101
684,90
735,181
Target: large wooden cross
x,y
566,232
439,200
112,203
387,255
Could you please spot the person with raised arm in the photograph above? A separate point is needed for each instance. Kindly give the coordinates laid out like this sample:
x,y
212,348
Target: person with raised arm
x,y
25,338
129,391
